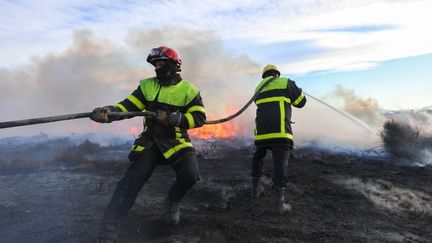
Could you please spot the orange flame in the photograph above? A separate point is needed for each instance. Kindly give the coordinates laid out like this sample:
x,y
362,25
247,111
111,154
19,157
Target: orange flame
x,y
133,130
221,130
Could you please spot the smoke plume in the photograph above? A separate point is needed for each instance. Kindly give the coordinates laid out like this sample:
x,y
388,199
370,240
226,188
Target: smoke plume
x,y
353,123
386,195
366,110
226,80
95,72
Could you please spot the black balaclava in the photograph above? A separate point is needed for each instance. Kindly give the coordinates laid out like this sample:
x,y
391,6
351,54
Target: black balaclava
x,y
167,73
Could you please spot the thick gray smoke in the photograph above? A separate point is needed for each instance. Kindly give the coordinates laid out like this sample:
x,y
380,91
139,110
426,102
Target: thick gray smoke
x,y
95,72
320,125
226,81
92,72
419,119
366,110
405,134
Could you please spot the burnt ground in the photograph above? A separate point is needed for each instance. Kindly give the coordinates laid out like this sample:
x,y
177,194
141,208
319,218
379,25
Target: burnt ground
x,y
336,197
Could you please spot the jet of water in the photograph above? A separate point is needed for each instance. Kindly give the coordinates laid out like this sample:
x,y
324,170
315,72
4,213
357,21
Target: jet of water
x,y
352,118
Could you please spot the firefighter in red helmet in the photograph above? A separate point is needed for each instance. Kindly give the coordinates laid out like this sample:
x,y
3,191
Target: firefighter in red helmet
x,y
164,141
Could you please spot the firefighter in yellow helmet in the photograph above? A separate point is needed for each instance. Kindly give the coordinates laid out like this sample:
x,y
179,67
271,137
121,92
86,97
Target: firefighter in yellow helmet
x,y
273,131
164,140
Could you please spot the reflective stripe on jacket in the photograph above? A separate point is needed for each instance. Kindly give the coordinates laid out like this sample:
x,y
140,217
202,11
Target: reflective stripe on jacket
x,y
182,97
273,115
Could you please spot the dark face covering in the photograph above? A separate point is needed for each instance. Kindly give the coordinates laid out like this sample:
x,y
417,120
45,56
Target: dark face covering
x,y
167,74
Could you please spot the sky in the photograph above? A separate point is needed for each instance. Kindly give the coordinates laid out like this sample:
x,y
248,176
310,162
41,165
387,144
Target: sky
x,y
62,56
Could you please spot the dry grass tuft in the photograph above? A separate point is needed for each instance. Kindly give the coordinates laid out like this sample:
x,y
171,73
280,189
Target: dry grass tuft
x,y
77,154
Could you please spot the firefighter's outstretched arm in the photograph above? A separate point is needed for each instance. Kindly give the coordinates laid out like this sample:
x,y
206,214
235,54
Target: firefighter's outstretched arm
x,y
296,95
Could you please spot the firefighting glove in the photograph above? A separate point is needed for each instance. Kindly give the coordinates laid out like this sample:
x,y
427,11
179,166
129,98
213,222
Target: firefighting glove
x,y
162,117
100,114
169,119
174,119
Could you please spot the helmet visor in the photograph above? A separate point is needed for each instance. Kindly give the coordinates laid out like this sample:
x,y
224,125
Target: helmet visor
x,y
154,54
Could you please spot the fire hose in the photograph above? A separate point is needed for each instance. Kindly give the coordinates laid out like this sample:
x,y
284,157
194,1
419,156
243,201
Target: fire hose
x,y
40,120
244,107
153,114
33,121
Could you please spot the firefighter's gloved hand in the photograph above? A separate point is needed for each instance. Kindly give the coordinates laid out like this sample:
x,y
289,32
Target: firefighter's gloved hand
x,y
100,114
174,119
162,117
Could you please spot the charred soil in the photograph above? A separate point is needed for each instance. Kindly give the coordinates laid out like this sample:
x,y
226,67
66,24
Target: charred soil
x,y
335,198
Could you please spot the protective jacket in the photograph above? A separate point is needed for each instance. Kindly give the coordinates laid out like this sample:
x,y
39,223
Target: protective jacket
x,y
273,115
182,97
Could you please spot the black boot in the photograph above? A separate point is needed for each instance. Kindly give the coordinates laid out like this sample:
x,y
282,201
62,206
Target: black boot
x,y
257,187
280,206
107,233
172,212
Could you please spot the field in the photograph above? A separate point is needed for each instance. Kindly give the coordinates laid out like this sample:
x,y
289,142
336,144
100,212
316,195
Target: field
x,y
56,191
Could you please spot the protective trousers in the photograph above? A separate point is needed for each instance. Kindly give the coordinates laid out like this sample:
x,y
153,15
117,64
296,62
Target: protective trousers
x,y
137,174
280,155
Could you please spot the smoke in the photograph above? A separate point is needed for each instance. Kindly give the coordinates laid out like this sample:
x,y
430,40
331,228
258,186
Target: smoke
x,y
317,124
95,72
386,195
365,109
226,81
90,70
421,119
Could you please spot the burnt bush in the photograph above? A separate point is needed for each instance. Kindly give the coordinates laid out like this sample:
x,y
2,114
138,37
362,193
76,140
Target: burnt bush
x,y
402,141
78,154
88,147
71,156
19,163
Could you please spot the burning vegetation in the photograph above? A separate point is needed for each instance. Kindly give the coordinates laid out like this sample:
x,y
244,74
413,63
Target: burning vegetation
x,y
217,131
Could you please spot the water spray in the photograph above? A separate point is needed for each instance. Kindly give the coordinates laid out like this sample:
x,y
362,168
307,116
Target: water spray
x,y
352,118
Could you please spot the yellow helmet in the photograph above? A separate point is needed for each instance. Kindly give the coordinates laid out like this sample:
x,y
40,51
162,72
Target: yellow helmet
x,y
270,67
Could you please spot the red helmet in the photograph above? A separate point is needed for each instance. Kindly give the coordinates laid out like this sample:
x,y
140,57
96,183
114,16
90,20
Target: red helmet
x,y
163,52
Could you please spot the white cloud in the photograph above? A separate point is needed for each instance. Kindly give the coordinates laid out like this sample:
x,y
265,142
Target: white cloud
x,y
36,29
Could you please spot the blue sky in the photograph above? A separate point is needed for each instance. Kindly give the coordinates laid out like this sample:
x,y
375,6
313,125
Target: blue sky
x,y
377,49
403,83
